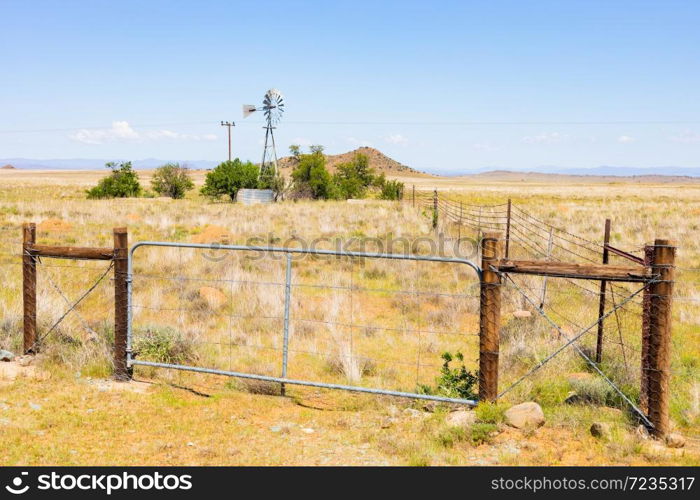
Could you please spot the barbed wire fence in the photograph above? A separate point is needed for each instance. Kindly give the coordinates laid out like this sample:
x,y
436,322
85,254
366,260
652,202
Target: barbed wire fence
x,y
556,315
70,312
543,313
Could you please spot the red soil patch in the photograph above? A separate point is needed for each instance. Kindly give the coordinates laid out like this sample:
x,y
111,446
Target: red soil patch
x,y
212,234
55,226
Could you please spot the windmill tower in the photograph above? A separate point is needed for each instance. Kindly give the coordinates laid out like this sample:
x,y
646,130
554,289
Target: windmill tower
x,y
272,108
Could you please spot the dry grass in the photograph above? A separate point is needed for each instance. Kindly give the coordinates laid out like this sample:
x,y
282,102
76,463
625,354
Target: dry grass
x,y
235,324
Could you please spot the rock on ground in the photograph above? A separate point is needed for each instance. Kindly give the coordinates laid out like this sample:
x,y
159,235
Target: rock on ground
x,y
525,415
675,441
6,355
600,430
460,418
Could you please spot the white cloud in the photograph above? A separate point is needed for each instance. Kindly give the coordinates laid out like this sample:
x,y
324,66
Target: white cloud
x,y
357,142
396,139
626,139
121,131
687,137
545,138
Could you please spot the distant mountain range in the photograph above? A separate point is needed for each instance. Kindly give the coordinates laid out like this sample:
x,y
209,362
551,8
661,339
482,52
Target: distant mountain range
x,y
96,164
377,159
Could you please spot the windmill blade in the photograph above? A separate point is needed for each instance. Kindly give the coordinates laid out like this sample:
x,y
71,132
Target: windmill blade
x,y
248,109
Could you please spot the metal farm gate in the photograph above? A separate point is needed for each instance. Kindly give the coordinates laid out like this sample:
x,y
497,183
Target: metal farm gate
x,y
367,322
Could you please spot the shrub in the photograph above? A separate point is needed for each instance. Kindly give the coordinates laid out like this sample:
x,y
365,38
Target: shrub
x,y
490,413
453,382
451,435
230,176
391,190
480,433
172,180
122,182
597,391
354,177
311,176
163,344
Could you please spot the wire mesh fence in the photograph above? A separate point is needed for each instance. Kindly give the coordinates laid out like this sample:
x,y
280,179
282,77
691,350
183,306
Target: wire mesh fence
x,y
364,322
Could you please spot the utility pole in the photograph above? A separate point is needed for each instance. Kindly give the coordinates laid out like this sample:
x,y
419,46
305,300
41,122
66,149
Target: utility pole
x,y
228,125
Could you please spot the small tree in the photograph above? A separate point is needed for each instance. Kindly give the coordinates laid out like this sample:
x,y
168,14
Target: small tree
x,y
172,180
311,176
122,182
295,151
230,176
391,190
354,177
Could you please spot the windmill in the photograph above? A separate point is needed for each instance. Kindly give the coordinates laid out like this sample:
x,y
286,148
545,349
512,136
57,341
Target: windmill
x,y
272,108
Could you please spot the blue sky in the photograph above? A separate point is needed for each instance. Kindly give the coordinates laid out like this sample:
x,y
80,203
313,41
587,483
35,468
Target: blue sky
x,y
442,86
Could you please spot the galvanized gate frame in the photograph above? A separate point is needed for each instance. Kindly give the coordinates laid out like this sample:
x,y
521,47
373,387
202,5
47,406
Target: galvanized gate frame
x,y
131,361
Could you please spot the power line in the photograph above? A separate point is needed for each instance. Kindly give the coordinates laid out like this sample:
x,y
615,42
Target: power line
x,y
391,123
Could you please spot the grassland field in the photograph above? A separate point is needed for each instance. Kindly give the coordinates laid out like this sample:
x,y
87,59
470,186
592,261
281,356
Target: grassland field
x,y
365,322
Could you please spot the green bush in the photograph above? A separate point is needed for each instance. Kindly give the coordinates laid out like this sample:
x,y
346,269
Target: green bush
x,y
230,176
490,413
311,177
163,344
391,190
453,382
354,177
172,180
122,182
448,437
480,432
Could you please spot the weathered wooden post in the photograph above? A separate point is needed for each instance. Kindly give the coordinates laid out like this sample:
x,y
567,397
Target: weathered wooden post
x,y
29,287
413,196
435,209
508,229
489,318
658,369
601,304
121,311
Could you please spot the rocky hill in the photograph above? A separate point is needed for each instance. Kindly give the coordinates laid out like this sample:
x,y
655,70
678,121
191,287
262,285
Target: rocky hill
x,y
377,160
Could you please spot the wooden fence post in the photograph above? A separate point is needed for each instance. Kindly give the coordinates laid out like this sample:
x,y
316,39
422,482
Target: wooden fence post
x,y
413,196
489,318
508,229
601,304
29,288
121,311
435,209
658,369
